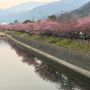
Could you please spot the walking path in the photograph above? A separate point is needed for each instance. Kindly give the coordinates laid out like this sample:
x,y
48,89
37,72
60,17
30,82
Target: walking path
x,y
2,34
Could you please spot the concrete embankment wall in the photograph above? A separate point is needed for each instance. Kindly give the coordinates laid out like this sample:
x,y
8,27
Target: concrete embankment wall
x,y
79,59
64,62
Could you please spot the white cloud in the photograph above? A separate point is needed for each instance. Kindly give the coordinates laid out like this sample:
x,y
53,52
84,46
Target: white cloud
x,y
44,0
10,3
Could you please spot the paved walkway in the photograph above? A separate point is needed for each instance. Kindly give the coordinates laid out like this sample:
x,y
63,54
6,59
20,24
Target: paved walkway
x,y
2,34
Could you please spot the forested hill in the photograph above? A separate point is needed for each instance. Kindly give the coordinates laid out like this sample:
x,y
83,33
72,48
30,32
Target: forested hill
x,y
81,12
58,7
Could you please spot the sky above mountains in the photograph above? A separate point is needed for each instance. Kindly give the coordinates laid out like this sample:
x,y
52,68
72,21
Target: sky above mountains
x,y
10,3
31,9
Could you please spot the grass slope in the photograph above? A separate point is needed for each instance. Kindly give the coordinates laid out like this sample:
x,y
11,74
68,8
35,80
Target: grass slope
x,y
78,45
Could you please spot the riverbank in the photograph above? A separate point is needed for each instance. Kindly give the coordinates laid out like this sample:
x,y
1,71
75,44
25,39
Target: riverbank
x,y
75,61
45,69
81,46
62,62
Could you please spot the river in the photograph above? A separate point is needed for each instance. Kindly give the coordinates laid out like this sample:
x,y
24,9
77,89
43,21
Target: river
x,y
21,71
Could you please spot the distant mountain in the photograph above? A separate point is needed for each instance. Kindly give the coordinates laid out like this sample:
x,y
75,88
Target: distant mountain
x,y
26,6
19,12
35,10
56,7
83,11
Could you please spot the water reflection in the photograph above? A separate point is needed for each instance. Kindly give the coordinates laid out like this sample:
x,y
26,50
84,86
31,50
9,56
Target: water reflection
x,y
46,71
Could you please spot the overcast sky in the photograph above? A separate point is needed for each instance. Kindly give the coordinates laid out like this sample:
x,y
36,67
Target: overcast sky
x,y
10,3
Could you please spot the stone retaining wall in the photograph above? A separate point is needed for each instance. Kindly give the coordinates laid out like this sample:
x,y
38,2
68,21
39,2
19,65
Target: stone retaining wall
x,y
80,59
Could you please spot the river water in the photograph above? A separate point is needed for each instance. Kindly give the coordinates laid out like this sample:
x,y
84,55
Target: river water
x,y
21,71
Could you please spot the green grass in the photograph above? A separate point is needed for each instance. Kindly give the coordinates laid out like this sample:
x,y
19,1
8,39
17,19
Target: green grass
x,y
81,46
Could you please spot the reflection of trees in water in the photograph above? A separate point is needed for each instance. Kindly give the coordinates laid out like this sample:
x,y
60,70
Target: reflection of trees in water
x,y
21,52
50,74
47,72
